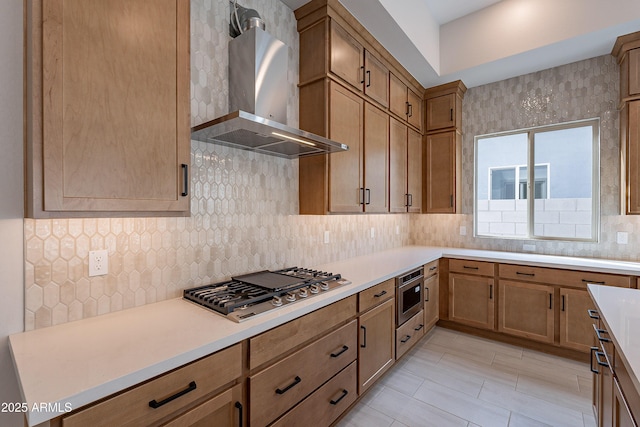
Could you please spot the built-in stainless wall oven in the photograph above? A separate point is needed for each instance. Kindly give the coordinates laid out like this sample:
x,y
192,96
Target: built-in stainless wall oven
x,y
409,295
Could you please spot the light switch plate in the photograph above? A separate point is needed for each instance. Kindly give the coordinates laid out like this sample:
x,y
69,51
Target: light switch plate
x,y
98,263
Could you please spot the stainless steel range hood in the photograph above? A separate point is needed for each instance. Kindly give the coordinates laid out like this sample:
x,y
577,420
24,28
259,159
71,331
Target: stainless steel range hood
x,y
258,93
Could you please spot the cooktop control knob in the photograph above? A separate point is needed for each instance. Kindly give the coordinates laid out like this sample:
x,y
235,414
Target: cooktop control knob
x,y
303,293
291,297
276,301
314,289
324,286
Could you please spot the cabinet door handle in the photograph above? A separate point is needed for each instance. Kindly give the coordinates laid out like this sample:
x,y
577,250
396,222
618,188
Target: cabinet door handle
x,y
490,291
562,303
451,201
451,114
593,314
410,110
185,180
361,196
550,301
362,69
406,113
155,404
405,339
600,362
342,396
295,382
418,328
342,350
410,199
368,193
599,333
239,406
368,78
380,294
364,337
426,293
592,350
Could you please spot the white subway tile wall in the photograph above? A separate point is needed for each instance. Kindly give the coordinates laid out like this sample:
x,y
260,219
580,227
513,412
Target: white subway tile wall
x,y
244,209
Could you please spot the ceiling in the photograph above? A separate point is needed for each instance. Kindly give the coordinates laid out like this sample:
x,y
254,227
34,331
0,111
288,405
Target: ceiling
x,y
483,41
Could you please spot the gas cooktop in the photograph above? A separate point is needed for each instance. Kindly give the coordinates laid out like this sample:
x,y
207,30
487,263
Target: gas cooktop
x,y
244,297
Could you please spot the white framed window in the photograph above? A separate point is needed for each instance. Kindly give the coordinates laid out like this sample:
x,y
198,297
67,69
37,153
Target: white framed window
x,y
558,164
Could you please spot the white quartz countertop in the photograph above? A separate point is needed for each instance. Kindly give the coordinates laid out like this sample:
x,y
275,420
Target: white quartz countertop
x,y
76,363
620,308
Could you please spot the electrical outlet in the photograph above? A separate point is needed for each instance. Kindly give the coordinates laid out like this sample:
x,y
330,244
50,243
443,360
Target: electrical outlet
x,y
373,232
98,263
622,238
463,230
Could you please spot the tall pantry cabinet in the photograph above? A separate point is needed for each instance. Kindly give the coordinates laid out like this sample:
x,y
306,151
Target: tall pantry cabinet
x,y
108,107
354,92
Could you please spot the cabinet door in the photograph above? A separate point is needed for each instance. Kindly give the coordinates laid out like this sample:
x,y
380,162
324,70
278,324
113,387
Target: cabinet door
x,y
471,300
621,414
441,170
415,109
606,397
376,79
224,410
116,107
526,310
576,329
431,295
398,194
632,151
440,112
346,113
398,103
414,171
634,72
376,343
376,159
347,57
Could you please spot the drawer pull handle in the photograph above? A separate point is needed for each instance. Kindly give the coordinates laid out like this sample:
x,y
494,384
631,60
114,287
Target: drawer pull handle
x,y
380,294
600,362
342,350
470,268
239,406
599,333
593,282
364,337
432,268
592,350
418,328
519,273
335,402
405,339
295,382
155,404
593,314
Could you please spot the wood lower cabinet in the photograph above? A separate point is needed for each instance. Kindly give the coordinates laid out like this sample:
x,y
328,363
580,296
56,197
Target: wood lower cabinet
x,y
431,295
105,139
471,300
526,310
575,326
376,343
621,414
168,395
442,163
409,333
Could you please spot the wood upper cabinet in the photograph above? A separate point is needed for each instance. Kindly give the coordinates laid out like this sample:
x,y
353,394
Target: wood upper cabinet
x,y
630,145
114,138
405,168
376,160
376,343
575,326
404,102
526,310
357,66
441,112
442,168
472,300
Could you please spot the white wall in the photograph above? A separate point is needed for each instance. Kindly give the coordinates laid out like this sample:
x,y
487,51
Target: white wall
x,y
11,196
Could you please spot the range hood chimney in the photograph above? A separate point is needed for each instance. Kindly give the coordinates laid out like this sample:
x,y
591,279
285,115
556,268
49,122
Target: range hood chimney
x,y
258,97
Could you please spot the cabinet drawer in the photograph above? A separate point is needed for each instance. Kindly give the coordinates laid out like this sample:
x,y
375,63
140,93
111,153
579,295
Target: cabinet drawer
x,y
326,404
277,341
478,268
409,334
132,408
431,268
375,295
281,386
577,279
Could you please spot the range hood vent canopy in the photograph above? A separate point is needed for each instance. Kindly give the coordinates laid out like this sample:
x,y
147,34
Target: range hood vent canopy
x,y
258,93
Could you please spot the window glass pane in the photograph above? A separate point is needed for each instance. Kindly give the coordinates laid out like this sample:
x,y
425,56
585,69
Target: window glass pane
x,y
500,212
563,206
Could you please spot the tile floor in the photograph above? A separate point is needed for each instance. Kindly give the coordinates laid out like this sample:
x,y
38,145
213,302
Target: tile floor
x,y
455,379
